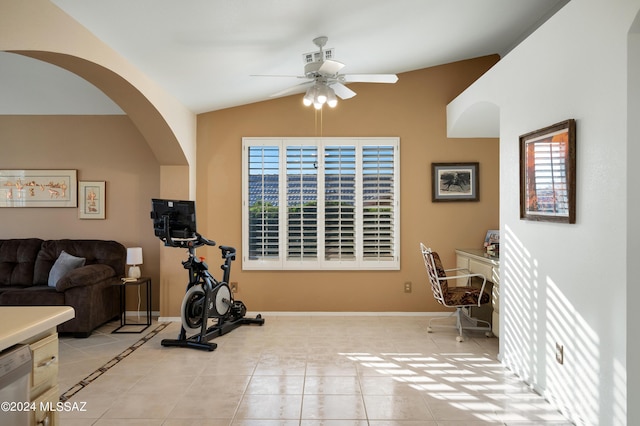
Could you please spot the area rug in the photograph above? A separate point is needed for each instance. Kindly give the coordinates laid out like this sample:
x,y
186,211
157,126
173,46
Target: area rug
x,y
100,371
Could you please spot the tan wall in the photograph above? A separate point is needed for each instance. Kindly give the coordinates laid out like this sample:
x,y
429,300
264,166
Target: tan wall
x,y
174,184
101,148
413,109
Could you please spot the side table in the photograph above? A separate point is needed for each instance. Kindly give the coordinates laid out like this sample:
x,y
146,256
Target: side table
x,y
146,281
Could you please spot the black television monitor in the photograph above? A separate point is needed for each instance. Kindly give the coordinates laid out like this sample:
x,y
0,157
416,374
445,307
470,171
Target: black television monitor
x,y
173,219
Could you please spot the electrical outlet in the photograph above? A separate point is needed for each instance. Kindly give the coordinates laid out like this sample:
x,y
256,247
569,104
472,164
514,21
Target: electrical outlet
x,y
407,287
234,287
559,353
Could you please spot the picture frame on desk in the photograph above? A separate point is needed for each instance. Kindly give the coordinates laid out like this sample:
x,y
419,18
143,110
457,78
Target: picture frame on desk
x,y
455,182
492,242
492,237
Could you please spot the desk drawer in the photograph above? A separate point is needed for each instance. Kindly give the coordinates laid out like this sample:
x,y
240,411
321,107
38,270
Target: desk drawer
x,y
481,268
45,360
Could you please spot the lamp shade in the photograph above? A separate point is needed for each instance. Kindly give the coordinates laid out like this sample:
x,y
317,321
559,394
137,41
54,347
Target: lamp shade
x,y
134,256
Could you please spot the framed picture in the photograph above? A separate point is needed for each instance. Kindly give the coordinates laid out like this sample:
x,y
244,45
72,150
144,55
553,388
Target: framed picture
x,y
454,182
492,237
548,174
38,188
492,242
91,200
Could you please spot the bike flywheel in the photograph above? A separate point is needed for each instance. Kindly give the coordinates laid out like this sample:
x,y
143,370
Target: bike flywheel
x,y
192,308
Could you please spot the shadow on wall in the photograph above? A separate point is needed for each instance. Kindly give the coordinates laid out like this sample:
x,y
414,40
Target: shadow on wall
x,y
537,315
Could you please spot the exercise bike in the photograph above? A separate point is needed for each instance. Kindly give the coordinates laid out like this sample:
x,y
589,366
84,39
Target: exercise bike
x,y
205,297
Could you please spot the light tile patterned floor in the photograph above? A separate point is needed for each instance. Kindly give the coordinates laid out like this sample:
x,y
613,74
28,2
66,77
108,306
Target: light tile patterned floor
x,y
302,370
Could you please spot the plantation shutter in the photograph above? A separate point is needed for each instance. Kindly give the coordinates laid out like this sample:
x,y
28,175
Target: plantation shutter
x,y
302,203
339,203
264,229
378,212
321,203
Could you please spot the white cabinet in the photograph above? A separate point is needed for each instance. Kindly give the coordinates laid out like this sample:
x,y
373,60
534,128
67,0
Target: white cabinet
x,y
36,326
478,262
44,390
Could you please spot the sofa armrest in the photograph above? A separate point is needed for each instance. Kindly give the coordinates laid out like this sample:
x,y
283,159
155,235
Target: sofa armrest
x,y
85,275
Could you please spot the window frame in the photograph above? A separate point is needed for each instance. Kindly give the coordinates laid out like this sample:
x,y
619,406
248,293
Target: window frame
x,y
321,263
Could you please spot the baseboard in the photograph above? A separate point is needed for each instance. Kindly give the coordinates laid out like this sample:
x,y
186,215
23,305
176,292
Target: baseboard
x,y
142,314
328,314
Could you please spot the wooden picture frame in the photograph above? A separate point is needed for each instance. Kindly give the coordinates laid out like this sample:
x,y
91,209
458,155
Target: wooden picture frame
x,y
548,173
91,200
38,188
455,182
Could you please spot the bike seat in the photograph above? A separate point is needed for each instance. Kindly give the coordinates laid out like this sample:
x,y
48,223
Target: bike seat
x,y
228,252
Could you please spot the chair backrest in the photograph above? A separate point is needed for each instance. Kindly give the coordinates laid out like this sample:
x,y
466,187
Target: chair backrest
x,y
435,272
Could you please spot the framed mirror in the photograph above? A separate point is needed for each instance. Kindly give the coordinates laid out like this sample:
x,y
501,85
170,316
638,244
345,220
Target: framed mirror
x,y
548,173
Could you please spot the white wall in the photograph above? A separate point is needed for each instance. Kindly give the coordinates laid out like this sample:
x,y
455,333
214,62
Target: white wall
x,y
633,224
568,283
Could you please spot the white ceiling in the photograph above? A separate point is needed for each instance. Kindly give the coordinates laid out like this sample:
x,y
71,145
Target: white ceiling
x,y
204,52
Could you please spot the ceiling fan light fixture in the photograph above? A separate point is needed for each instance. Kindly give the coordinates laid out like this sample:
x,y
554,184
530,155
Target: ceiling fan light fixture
x,y
322,94
332,100
309,97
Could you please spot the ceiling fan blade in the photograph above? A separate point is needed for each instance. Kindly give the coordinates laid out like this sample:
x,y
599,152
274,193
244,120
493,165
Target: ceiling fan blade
x,y
292,89
342,91
277,75
330,67
369,78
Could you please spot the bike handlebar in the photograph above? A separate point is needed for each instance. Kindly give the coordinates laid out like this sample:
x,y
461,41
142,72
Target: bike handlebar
x,y
205,241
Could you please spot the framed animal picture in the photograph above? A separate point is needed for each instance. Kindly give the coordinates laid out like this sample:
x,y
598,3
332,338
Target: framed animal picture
x,y
455,182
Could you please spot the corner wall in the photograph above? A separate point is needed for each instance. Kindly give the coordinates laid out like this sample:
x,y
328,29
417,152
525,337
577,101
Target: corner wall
x,y
567,283
414,110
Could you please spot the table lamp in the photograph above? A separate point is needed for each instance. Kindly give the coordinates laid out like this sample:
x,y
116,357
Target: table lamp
x,y
134,258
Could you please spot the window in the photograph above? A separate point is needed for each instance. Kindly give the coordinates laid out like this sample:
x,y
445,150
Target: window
x,y
326,203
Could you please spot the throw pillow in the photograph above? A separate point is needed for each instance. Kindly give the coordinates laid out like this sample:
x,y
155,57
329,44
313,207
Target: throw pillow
x,y
63,265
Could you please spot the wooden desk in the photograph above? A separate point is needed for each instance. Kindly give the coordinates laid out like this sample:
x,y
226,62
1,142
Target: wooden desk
x,y
477,261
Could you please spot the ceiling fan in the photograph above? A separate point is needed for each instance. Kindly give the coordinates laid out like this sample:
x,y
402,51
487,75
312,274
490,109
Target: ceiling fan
x,y
324,81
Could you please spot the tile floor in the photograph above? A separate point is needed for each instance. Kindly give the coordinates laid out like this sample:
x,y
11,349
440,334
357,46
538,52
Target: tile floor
x,y
301,370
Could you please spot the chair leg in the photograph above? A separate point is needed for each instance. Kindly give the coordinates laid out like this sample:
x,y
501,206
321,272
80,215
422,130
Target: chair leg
x,y
431,325
474,324
459,314
463,322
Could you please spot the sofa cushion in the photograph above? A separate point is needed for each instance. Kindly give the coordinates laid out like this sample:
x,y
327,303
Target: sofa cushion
x,y
86,274
17,260
63,265
103,252
37,295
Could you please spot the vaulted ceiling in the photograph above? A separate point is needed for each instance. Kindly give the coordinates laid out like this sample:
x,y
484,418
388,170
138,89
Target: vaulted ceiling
x,y
206,53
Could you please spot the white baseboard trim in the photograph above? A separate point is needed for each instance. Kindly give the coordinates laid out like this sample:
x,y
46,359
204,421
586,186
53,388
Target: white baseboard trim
x,y
329,314
142,314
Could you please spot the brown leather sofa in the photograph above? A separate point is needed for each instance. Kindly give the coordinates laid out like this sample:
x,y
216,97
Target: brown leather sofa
x,y
26,266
